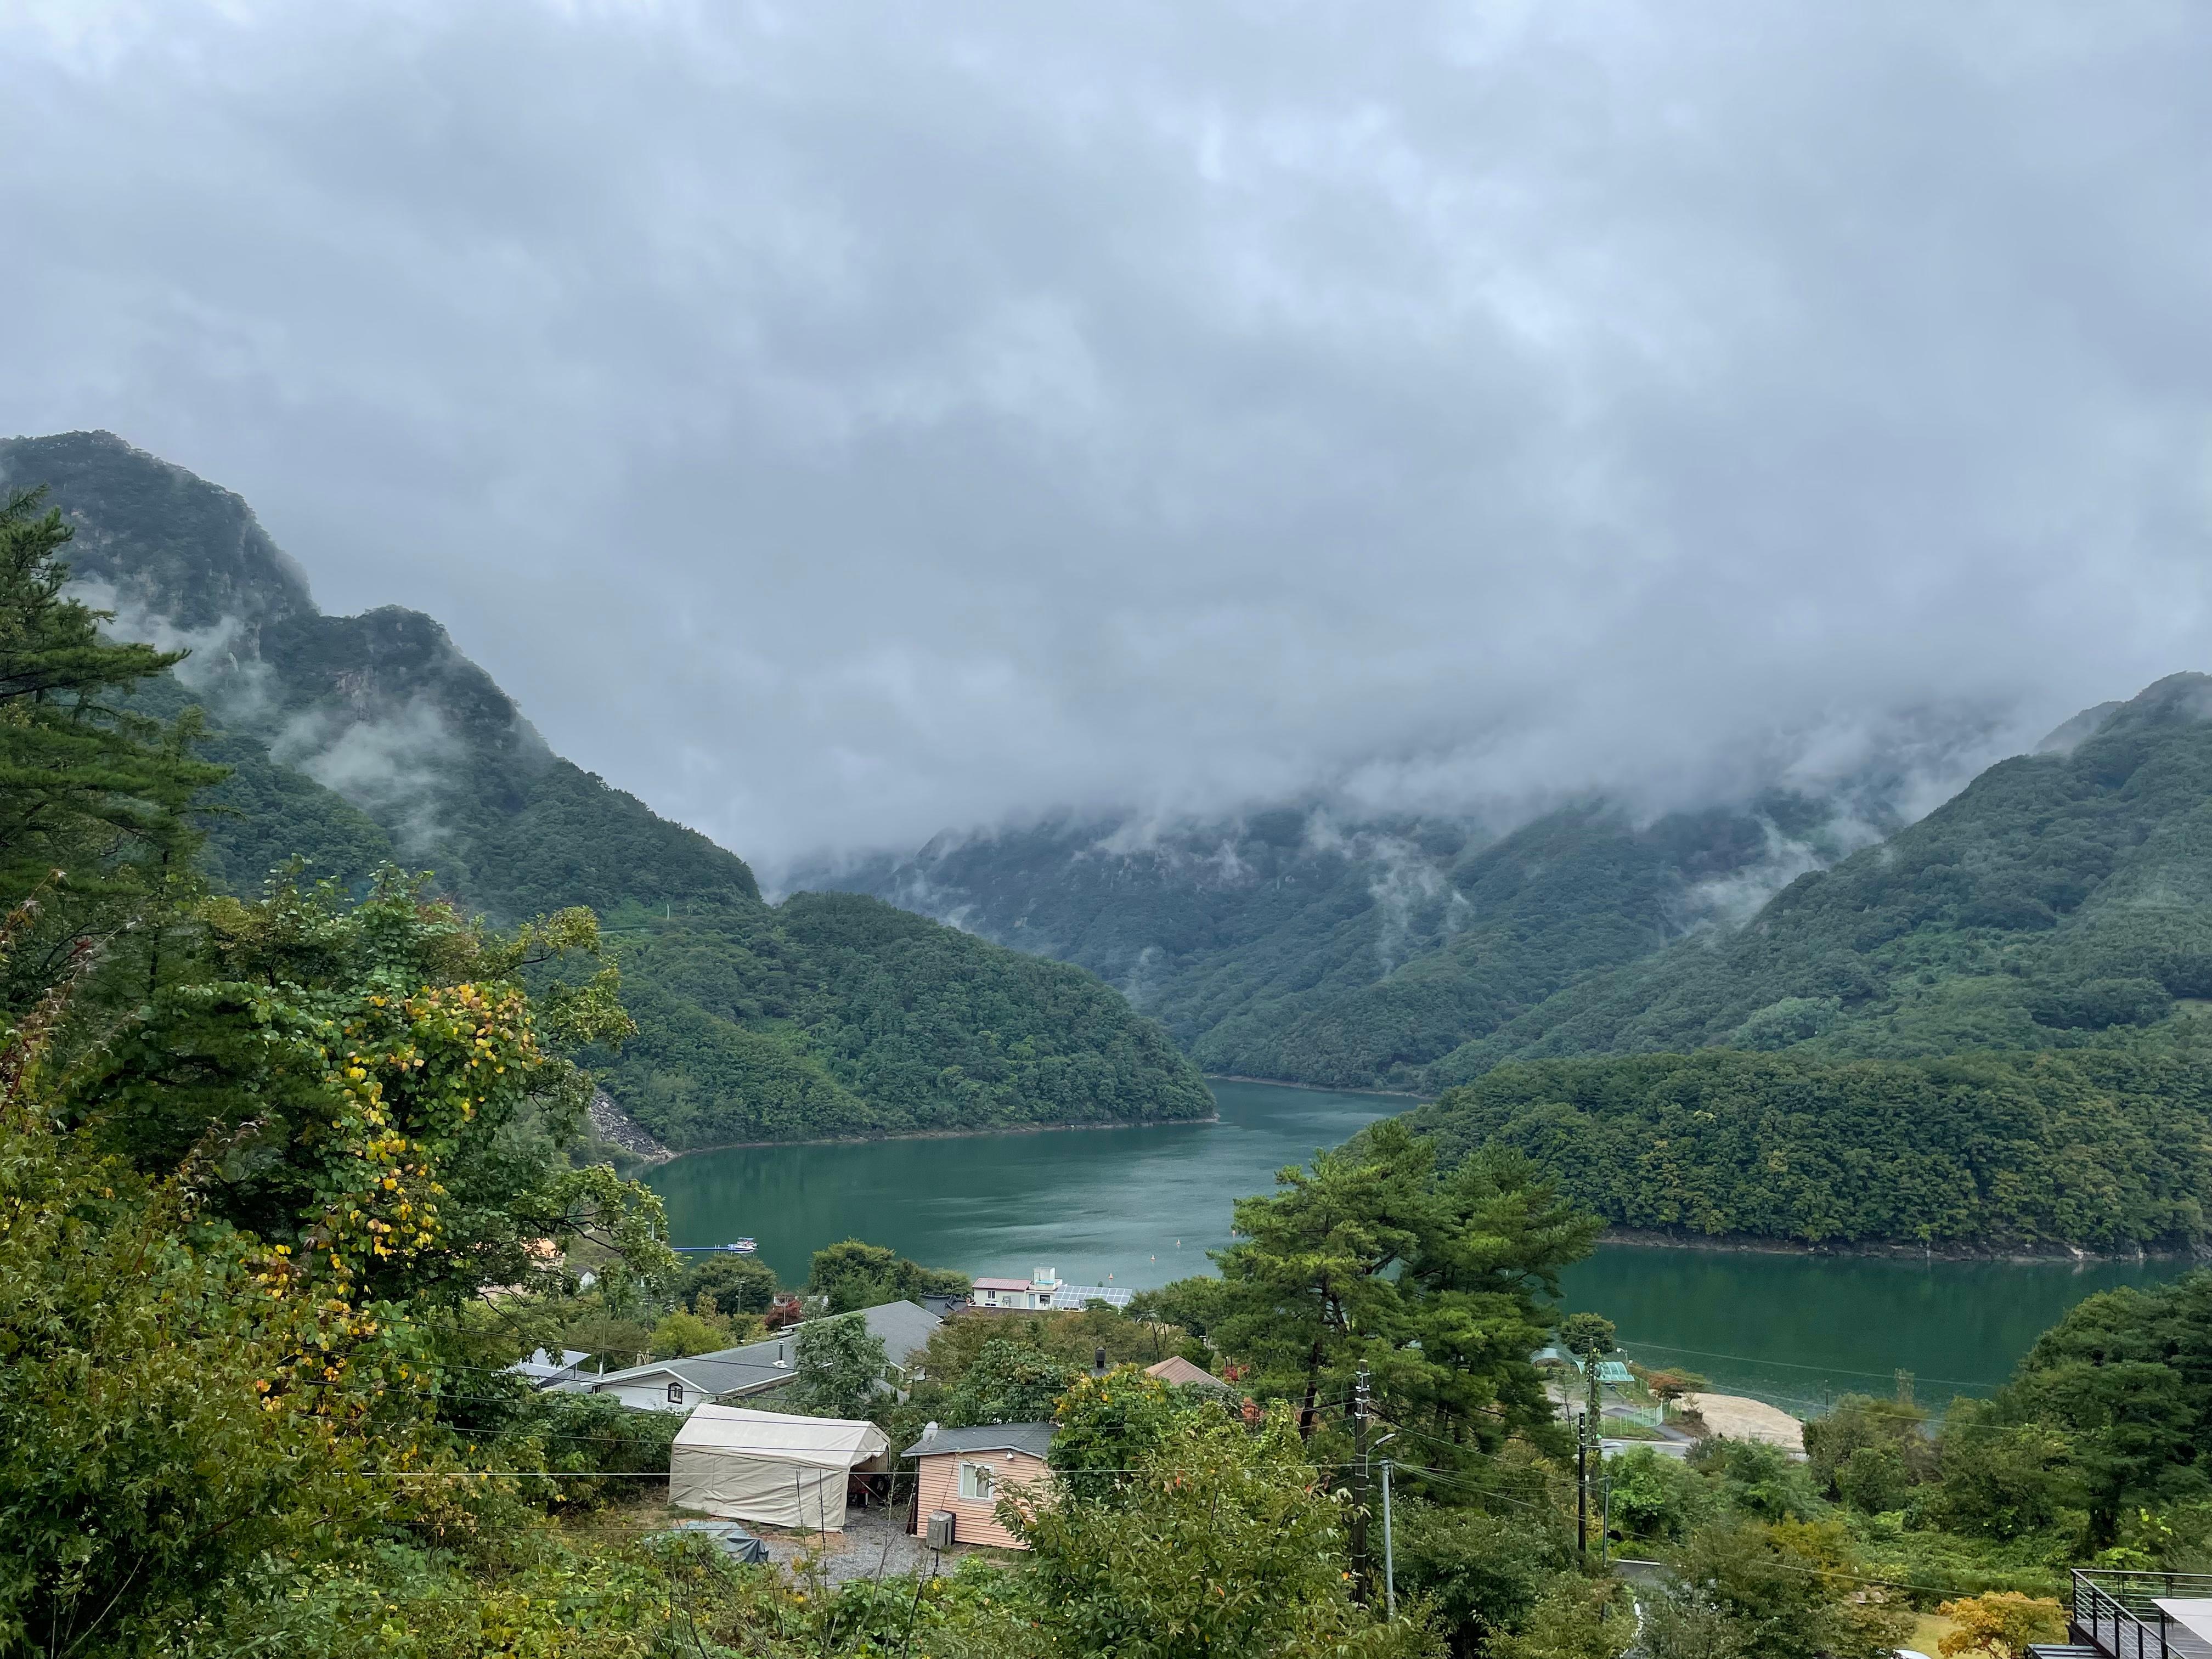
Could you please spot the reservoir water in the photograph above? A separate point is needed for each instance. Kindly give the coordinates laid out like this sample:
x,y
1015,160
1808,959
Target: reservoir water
x,y
1136,1207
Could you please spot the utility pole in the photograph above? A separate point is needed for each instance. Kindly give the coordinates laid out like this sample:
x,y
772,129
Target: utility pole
x,y
1389,1556
1359,1585
1593,1416
1582,1490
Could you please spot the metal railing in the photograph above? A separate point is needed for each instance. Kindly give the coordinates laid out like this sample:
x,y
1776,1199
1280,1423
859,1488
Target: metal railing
x,y
2117,1613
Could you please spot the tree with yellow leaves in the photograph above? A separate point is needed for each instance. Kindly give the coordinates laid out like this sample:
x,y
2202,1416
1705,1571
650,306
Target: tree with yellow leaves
x,y
2000,1624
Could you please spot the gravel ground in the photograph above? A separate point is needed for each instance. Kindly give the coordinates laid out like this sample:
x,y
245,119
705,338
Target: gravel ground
x,y
875,1541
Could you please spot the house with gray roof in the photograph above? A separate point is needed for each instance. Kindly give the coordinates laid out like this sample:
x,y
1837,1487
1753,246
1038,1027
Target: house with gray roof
x,y
963,1474
728,1374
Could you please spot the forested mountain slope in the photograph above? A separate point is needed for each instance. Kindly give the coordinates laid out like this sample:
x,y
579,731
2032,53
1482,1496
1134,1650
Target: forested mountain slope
x,y
354,739
1292,945
2104,1148
2061,897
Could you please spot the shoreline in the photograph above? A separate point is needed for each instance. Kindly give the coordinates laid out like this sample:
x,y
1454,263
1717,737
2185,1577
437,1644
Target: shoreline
x,y
937,1134
1951,1251
670,1155
1316,1088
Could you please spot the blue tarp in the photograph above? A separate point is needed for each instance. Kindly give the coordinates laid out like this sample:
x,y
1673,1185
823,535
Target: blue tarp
x,y
732,1539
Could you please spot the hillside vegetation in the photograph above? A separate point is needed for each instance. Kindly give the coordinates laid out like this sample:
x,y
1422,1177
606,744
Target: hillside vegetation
x,y
1289,945
2062,897
356,740
2102,1149
833,1014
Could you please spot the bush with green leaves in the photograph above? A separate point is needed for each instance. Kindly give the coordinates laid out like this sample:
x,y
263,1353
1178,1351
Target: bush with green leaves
x,y
1870,1453
1106,1428
1740,1589
1228,1545
1655,1498
1480,1575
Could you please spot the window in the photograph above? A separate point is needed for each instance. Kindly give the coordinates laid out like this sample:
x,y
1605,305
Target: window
x,y
976,1482
675,1394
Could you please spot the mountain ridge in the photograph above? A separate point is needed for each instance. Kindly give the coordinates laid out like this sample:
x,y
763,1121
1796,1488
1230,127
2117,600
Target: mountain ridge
x,y
359,739
1291,945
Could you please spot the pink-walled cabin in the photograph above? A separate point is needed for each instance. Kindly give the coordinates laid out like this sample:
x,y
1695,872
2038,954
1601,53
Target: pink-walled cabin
x,y
966,1471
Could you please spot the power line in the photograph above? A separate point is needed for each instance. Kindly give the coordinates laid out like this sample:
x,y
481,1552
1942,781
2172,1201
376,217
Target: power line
x,y
1791,1364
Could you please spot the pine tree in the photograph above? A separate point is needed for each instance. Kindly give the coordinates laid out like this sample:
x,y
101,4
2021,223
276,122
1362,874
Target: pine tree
x,y
94,798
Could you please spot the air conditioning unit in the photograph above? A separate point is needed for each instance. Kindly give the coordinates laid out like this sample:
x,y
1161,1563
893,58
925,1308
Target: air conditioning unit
x,y
941,1523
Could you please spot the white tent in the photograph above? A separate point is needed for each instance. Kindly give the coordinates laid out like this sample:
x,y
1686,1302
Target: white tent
x,y
768,1466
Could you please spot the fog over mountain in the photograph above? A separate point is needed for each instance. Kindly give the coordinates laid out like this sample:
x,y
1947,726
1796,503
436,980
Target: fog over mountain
x,y
837,424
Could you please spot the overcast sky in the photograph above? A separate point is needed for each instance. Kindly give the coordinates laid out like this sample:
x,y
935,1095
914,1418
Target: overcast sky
x,y
835,422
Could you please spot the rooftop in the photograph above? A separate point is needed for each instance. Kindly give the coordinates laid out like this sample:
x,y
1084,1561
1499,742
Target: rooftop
x,y
1176,1369
903,1329
1035,1438
1077,1296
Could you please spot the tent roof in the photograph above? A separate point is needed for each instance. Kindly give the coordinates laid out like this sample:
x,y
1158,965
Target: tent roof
x,y
822,1442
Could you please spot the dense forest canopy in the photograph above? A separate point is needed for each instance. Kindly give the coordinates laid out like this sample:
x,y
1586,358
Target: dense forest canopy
x,y
1290,944
2061,897
355,741
2107,1150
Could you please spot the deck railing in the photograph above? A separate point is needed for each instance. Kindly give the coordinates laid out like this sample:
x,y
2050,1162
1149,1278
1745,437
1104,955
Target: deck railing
x,y
2117,1613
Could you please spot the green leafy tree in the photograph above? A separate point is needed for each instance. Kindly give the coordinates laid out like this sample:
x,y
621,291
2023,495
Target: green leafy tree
x,y
1106,1428
349,1081
1440,1285
739,1284
172,1408
1655,1498
1573,1619
837,1369
1008,1382
2004,1479
1756,1479
1232,1549
1589,1338
1481,1575
1869,1452
1743,1590
852,1275
682,1332
2127,1377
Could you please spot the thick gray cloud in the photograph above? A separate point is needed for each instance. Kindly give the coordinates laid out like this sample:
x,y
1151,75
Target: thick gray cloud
x,y
836,422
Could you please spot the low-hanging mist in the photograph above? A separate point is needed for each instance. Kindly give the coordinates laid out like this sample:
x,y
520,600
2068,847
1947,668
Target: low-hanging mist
x,y
835,426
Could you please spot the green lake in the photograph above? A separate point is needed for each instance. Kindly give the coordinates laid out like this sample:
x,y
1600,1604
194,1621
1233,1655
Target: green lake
x,y
1135,1207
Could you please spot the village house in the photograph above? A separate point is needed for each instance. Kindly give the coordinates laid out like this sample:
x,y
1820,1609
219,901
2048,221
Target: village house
x,y
1175,1369
756,1368
1040,1291
963,1472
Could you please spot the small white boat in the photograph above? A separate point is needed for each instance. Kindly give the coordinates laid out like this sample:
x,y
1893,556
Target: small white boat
x,y
746,1246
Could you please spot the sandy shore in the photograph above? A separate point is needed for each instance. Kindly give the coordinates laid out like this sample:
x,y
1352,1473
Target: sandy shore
x,y
1742,1418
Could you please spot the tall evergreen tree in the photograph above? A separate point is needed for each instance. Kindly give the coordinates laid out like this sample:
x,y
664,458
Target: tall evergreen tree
x,y
94,796
1441,1285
